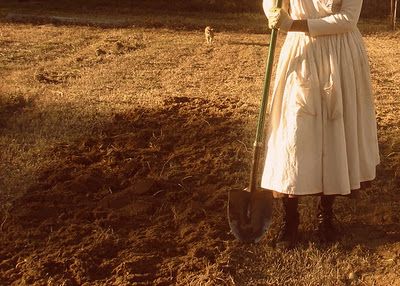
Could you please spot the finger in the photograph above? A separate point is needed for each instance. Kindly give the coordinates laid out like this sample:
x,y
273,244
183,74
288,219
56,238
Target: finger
x,y
273,14
273,24
273,19
275,10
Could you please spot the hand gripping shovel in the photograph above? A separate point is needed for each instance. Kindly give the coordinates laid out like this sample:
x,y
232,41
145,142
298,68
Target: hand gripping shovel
x,y
250,210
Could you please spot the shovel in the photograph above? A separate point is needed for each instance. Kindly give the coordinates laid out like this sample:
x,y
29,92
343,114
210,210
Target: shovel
x,y
250,210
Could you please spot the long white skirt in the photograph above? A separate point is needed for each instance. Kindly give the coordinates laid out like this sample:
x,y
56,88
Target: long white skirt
x,y
322,135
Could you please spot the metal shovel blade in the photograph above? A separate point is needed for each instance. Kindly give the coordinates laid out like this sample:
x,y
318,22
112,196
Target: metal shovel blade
x,y
249,214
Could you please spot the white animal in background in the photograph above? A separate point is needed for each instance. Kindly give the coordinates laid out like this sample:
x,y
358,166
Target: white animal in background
x,y
209,33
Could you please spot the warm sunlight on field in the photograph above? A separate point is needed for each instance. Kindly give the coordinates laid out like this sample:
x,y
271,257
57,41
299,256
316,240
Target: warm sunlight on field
x,y
118,147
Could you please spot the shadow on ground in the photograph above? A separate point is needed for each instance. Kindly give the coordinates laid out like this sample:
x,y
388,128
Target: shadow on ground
x,y
141,201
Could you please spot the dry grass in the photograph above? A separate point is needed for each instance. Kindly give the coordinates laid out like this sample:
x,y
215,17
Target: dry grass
x,y
63,84
43,104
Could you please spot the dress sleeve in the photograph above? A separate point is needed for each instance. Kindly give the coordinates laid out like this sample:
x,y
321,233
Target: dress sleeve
x,y
341,22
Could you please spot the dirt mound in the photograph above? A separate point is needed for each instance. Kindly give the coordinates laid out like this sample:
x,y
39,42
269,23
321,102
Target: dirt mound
x,y
131,205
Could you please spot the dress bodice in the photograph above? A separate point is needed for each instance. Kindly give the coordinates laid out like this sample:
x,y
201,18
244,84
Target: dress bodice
x,y
306,9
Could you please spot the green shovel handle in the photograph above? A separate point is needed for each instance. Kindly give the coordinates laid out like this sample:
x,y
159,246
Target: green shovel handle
x,y
267,81
261,117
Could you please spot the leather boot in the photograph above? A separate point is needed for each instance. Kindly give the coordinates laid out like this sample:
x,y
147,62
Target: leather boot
x,y
325,227
288,234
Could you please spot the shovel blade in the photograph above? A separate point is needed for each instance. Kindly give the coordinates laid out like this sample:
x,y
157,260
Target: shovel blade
x,y
249,214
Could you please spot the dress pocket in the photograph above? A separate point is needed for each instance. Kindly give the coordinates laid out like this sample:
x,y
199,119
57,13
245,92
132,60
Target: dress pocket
x,y
301,97
333,103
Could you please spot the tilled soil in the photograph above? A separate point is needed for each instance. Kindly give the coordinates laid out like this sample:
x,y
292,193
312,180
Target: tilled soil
x,y
143,202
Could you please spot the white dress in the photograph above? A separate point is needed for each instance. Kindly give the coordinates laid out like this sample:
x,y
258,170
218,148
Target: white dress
x,y
321,136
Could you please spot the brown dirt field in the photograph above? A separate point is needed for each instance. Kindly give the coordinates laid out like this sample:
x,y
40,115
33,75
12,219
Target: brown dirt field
x,y
119,147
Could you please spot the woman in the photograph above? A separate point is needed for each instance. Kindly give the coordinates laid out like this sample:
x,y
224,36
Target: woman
x,y
322,137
